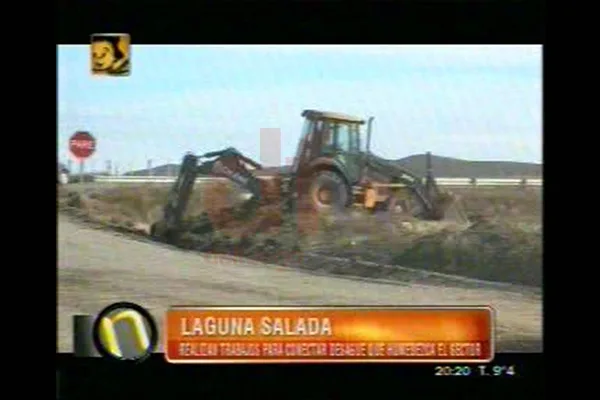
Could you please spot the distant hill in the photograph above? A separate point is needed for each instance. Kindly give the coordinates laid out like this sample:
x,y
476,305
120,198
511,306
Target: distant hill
x,y
456,168
442,166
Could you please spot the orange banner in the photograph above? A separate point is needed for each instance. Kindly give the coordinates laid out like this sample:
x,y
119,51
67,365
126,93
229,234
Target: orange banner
x,y
329,334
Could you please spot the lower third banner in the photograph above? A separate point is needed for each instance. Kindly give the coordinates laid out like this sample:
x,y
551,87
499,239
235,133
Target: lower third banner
x,y
329,334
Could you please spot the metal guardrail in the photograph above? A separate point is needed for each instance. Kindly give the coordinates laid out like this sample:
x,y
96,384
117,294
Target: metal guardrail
x,y
493,182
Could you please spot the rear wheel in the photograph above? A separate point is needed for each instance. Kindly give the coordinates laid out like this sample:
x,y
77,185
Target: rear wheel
x,y
328,191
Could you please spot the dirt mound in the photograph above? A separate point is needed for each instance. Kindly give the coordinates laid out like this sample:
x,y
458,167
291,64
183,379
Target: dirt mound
x,y
496,250
268,215
487,250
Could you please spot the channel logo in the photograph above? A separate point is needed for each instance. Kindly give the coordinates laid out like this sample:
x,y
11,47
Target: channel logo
x,y
122,331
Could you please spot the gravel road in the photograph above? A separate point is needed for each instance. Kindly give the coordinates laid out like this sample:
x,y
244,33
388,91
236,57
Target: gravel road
x,y
98,267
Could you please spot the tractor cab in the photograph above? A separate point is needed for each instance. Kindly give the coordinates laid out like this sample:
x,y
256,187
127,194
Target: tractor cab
x,y
332,140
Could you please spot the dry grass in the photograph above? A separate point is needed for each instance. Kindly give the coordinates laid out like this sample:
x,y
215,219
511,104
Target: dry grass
x,y
513,203
504,243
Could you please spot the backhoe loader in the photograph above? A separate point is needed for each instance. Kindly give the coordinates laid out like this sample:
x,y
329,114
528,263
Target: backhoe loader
x,y
333,170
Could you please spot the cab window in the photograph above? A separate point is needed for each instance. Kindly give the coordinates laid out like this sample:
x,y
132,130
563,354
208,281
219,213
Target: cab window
x,y
327,136
342,135
355,138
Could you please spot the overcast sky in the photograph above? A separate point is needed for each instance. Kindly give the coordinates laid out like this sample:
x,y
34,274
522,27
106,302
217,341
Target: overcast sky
x,y
471,102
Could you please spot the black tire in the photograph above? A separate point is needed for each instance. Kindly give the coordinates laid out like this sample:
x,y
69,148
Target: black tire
x,y
328,191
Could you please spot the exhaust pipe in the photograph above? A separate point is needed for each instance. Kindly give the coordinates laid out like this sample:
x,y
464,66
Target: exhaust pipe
x,y
369,127
366,157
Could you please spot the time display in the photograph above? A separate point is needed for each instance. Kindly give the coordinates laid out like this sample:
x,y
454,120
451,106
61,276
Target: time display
x,y
478,370
453,370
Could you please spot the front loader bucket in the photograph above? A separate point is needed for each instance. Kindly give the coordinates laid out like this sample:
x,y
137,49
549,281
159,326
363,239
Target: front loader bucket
x,y
446,206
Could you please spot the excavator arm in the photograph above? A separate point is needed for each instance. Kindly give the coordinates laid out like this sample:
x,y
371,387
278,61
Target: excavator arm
x,y
228,163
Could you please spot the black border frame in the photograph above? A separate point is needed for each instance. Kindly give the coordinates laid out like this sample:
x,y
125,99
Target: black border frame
x,y
249,22
304,22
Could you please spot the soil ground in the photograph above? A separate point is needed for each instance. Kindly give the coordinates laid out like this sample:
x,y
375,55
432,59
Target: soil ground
x,y
97,267
105,255
502,242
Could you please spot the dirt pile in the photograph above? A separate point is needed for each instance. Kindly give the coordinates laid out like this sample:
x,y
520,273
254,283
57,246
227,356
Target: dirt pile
x,y
489,250
267,216
495,249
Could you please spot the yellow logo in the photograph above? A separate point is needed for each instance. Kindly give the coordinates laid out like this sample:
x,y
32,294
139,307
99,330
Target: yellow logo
x,y
125,331
110,54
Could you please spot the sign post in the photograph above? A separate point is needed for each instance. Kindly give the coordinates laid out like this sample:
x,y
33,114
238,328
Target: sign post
x,y
82,145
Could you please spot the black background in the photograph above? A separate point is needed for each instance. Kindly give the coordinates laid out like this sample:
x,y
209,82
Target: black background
x,y
305,22
154,376
293,22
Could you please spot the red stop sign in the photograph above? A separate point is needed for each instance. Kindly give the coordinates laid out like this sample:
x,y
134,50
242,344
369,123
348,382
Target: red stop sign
x,y
82,145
